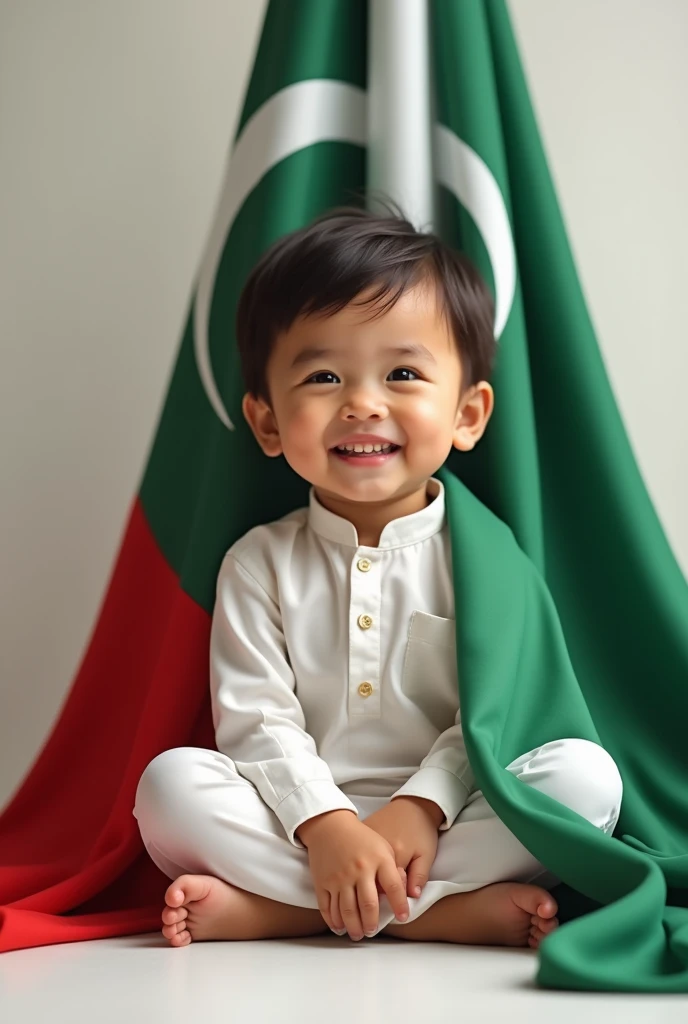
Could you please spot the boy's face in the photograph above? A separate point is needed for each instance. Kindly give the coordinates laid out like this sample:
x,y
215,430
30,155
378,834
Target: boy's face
x,y
362,386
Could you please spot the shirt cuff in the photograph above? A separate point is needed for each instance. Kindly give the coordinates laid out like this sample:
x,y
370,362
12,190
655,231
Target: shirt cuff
x,y
440,786
309,800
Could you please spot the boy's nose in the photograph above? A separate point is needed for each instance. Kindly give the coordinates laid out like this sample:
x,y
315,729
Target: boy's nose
x,y
363,404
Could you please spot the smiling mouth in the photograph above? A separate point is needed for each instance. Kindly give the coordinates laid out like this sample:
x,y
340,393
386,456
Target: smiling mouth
x,y
373,459
387,449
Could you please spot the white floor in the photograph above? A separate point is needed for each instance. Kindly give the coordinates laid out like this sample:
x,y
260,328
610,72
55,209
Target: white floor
x,y
305,981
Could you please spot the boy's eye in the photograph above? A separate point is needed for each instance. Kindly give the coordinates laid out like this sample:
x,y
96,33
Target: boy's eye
x,y
323,373
328,373
405,369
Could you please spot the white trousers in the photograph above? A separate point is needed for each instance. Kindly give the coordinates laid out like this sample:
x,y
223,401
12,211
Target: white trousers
x,y
197,815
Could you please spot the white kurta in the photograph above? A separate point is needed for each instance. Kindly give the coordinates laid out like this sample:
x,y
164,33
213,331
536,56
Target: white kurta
x,y
333,666
334,684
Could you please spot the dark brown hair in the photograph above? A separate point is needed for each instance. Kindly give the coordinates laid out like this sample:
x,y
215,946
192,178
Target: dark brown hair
x,y
324,266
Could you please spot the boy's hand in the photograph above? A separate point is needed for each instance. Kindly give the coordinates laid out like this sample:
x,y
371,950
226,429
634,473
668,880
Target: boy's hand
x,y
410,824
347,862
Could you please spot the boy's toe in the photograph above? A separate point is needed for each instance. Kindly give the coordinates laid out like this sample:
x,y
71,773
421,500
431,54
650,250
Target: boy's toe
x,y
182,938
545,925
170,930
547,908
187,889
536,902
171,915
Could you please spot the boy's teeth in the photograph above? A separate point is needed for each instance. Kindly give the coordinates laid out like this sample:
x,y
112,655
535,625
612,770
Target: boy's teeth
x,y
364,448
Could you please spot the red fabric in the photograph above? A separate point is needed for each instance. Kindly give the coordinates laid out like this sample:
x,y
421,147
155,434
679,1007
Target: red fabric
x,y
72,862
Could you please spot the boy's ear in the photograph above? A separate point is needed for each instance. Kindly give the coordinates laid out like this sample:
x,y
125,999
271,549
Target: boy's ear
x,y
262,422
475,409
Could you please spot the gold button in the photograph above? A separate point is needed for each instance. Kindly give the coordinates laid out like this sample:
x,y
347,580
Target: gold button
x,y
363,564
365,689
365,621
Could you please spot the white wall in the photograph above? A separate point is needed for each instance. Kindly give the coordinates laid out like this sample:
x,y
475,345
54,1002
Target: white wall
x,y
115,119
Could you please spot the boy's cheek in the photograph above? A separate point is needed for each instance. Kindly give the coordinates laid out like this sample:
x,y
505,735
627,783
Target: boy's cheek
x,y
304,432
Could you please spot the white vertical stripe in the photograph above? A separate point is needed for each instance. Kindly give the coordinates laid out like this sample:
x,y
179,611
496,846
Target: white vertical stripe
x,y
400,115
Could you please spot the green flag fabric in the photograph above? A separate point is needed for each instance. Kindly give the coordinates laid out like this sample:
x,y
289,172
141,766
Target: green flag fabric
x,y
556,465
580,624
518,689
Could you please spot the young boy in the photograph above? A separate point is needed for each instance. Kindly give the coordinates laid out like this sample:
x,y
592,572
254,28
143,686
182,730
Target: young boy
x,y
340,796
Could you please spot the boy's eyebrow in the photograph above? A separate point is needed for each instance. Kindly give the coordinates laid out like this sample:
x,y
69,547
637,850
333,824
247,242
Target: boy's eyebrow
x,y
415,349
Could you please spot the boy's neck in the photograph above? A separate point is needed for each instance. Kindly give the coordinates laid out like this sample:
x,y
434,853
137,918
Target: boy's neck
x,y
370,520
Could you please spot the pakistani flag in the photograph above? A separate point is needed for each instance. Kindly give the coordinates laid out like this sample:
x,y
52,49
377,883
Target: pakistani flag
x,y
345,96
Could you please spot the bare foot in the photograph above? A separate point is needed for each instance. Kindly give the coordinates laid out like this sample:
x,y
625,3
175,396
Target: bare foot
x,y
202,907
502,914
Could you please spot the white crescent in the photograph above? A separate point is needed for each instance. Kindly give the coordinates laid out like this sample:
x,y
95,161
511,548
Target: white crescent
x,y
322,110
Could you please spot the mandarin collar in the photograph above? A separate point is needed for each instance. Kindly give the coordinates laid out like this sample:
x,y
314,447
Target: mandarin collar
x,y
411,529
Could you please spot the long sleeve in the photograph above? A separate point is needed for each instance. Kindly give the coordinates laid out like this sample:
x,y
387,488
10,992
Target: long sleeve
x,y
444,776
258,720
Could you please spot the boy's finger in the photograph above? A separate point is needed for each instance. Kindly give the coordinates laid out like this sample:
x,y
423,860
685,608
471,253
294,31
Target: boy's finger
x,y
368,905
402,876
348,908
337,924
418,872
416,885
395,890
323,898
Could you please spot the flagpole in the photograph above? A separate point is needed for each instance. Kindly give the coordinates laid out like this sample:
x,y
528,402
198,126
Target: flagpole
x,y
400,108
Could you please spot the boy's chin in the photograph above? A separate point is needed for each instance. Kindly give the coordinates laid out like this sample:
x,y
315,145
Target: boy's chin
x,y
363,491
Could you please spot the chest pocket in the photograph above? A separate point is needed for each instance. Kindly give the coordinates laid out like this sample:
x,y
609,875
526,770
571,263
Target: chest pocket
x,y
429,675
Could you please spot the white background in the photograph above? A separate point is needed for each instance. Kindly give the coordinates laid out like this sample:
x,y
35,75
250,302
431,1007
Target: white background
x,y
115,121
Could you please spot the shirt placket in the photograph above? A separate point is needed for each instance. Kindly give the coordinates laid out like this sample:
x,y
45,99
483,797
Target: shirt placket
x,y
364,635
